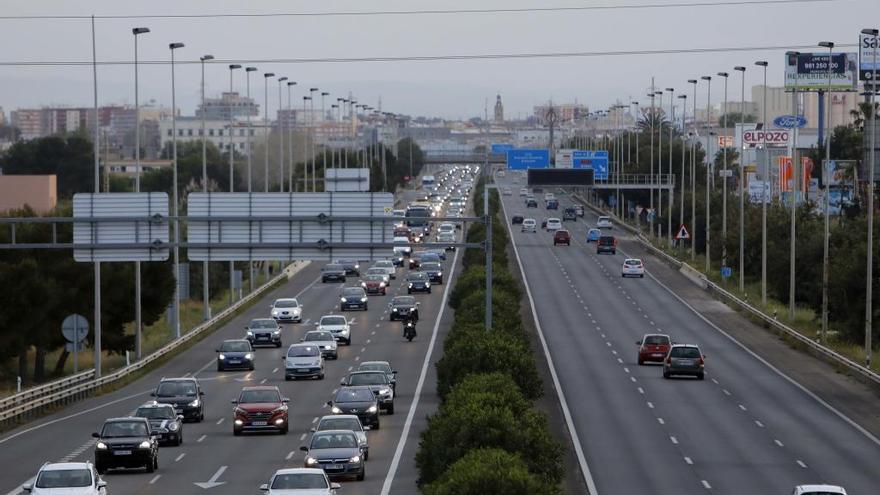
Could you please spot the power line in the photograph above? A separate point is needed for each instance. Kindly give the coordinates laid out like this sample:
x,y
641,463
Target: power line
x,y
362,13
425,58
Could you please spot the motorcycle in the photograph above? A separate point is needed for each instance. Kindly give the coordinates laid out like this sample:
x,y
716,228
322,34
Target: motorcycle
x,y
409,330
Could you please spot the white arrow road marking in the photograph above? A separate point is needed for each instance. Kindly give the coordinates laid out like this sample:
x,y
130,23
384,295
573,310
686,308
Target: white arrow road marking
x,y
211,483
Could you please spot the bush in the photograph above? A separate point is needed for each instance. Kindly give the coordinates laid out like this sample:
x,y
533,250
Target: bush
x,y
505,310
489,472
474,278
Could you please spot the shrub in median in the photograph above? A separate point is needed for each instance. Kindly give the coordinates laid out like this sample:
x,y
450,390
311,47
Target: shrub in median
x,y
489,472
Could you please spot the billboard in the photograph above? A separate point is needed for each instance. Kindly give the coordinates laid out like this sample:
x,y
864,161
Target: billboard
x,y
564,158
523,159
501,148
785,173
755,189
838,171
809,72
596,160
868,48
752,138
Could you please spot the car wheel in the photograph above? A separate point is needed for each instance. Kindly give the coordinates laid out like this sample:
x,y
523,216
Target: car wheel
x,y
365,307
362,474
251,368
219,368
286,378
701,376
642,275
666,374
100,468
151,465
321,376
284,430
376,426
641,361
179,439
201,416
335,356
366,455
236,432
348,341
390,409
278,345
409,291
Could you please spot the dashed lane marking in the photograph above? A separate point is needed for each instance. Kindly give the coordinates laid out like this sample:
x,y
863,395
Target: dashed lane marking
x,y
155,479
178,458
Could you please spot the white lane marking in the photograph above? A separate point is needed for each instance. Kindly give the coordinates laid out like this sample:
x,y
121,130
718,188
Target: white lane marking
x,y
315,419
632,379
334,391
715,381
742,407
625,369
275,370
613,352
801,464
155,479
404,434
373,332
726,392
363,349
650,405
368,341
706,485
575,439
302,437
778,443
220,421
660,420
641,391
357,358
290,455
18,489
673,440
620,360
202,438
178,458
263,381
689,461
760,424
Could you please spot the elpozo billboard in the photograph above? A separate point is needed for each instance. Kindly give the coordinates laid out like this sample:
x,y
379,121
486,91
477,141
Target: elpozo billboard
x,y
809,71
756,135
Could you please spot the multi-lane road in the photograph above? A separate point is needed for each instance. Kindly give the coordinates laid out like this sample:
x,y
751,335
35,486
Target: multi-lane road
x,y
210,452
744,429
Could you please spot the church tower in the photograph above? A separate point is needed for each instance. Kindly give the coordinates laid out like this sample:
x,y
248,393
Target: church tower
x,y
499,110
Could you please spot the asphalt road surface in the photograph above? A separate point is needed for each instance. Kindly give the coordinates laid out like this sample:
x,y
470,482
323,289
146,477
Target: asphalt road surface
x,y
744,429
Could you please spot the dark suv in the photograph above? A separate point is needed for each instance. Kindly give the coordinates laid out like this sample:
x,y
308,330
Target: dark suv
x,y
351,267
166,424
126,443
606,244
569,214
333,272
185,394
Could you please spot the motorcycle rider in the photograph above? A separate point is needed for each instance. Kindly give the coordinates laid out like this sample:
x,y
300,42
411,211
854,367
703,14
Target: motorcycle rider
x,y
409,322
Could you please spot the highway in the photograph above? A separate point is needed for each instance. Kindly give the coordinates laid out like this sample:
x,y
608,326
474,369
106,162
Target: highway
x,y
744,429
210,452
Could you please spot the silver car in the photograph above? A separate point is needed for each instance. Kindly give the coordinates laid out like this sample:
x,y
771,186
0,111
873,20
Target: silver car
x,y
303,361
287,309
324,340
387,266
337,452
346,422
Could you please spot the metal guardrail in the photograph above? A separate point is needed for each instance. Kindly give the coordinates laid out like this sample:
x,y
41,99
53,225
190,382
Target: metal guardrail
x,y
44,389
74,392
824,352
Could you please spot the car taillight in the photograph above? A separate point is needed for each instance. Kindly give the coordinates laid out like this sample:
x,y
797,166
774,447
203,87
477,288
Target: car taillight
x,y
702,361
668,360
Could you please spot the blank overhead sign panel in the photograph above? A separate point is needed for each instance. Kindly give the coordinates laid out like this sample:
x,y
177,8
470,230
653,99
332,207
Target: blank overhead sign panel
x,y
561,177
122,222
303,226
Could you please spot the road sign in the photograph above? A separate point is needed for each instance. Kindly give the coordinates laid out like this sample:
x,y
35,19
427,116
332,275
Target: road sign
x,y
682,233
501,148
564,158
725,173
726,271
347,180
120,205
75,328
524,159
809,71
596,160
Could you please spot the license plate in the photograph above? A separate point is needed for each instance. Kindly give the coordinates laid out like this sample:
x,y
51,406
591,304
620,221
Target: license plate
x,y
234,361
685,362
121,452
259,423
657,354
333,466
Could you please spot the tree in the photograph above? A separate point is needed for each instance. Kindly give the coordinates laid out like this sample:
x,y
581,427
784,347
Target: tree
x,y
731,119
489,472
70,157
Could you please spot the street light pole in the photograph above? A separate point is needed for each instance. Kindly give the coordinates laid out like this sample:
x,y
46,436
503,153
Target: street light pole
x,y
232,67
725,75
138,319
654,178
794,190
306,147
824,334
280,136
291,159
708,80
323,134
651,181
742,181
869,310
250,150
312,138
266,129
694,82
764,179
683,159
670,194
206,295
176,301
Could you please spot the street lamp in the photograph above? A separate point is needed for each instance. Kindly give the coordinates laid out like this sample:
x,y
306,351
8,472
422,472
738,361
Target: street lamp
x,y
306,146
694,82
683,159
232,67
312,138
725,75
206,297
323,132
794,189
250,150
869,313
138,321
637,131
671,192
280,135
765,176
266,129
176,301
291,159
824,334
742,179
651,95
708,80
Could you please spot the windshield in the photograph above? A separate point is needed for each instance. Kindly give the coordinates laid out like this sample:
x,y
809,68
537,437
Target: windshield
x,y
368,379
255,396
263,323
287,303
235,346
318,337
64,478
416,276
352,291
384,264
155,412
354,395
303,351
330,268
383,367
632,262
606,241
656,340
374,277
333,320
334,441
124,429
294,481
352,424
685,352
433,266
175,389
404,301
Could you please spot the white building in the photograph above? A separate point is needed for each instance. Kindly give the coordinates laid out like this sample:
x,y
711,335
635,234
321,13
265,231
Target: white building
x,y
190,129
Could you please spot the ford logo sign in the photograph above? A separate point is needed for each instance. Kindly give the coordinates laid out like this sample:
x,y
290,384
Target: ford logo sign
x,y
789,121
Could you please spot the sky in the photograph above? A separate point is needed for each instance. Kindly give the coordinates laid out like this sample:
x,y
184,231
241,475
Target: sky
x,y
450,89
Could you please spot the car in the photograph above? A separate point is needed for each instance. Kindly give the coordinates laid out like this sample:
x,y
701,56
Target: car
x,y
415,259
304,360
506,191
548,196
418,282
374,283
403,307
235,354
263,331
569,214
287,309
324,340
126,443
333,272
384,367
446,227
562,237
360,401
260,408
604,223
531,203
353,298
501,173
632,267
185,394
516,220
579,209
653,348
378,382
553,224
684,359
382,272
432,256
434,271
524,191
351,267
387,266
401,248
337,452
345,422
552,204
606,244
447,238
818,490
338,326
306,481
403,231
164,421
593,235
529,225
66,478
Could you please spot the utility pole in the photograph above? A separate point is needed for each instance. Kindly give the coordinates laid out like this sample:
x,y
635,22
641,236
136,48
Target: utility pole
x,y
869,313
824,334
708,80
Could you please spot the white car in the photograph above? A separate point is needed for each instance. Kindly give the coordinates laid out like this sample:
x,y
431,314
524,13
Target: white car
x,y
338,326
446,237
304,360
506,191
553,224
818,490
632,267
529,225
67,478
388,266
386,278
446,228
548,196
524,191
346,422
302,481
604,223
501,173
324,340
403,250
287,309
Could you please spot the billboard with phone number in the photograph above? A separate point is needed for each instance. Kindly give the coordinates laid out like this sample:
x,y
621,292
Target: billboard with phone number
x,y
810,71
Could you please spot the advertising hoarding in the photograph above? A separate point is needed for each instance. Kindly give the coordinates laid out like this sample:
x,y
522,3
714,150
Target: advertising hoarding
x,y
564,158
868,48
753,136
809,72
523,159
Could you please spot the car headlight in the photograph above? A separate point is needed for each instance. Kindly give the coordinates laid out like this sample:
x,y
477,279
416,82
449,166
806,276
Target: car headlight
x,y
410,285
372,409
335,410
357,267
363,299
194,403
101,446
385,391
274,312
276,332
250,333
249,356
342,299
145,445
316,363
238,422
394,310
311,461
439,274
355,459
221,357
173,427
364,285
381,284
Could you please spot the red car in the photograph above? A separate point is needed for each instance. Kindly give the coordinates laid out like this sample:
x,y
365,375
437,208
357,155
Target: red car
x,y
653,348
260,409
562,237
374,284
